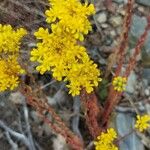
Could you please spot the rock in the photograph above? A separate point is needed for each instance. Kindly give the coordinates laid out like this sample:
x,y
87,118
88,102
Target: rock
x,y
144,2
147,106
59,143
147,92
138,25
122,12
131,83
104,25
108,40
113,33
146,75
125,123
120,1
141,9
101,17
116,21
17,98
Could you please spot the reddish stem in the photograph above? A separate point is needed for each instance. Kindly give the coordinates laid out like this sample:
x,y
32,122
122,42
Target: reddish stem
x,y
59,126
92,112
138,47
113,96
124,38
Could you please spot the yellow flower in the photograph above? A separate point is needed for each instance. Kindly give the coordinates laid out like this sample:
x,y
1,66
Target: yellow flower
x,y
58,51
10,39
72,15
10,70
119,83
105,140
9,52
142,122
82,75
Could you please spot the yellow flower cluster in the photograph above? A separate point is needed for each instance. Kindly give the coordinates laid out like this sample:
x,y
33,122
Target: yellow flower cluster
x,y
142,122
105,141
9,52
72,15
10,69
119,83
59,50
10,39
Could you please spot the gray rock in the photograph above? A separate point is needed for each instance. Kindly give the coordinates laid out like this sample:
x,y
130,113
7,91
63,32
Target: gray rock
x,y
147,92
138,25
131,84
120,1
113,33
116,21
101,17
144,2
147,106
104,25
125,123
146,75
137,28
59,143
17,98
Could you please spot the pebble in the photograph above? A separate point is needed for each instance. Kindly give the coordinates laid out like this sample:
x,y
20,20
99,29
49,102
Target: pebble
x,y
144,2
104,25
101,17
120,1
116,21
138,23
132,82
146,74
122,12
17,98
141,9
147,92
113,33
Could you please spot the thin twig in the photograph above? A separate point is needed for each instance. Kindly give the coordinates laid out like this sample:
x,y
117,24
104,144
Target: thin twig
x,y
14,146
26,117
76,118
17,135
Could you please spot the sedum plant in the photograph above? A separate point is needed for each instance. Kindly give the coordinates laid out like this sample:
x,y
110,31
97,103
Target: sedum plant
x,y
59,51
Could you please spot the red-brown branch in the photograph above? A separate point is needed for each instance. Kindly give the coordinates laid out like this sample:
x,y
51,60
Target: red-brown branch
x,y
138,47
124,37
58,126
114,97
92,112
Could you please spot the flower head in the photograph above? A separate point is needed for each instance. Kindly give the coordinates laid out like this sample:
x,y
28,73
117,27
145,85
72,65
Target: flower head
x,y
80,76
10,70
142,122
58,51
9,52
119,83
10,39
72,15
105,140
